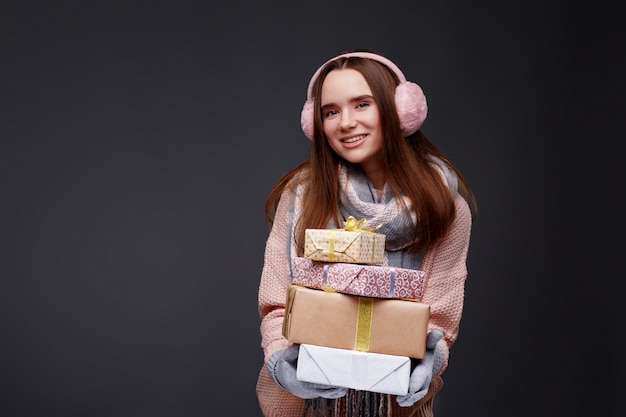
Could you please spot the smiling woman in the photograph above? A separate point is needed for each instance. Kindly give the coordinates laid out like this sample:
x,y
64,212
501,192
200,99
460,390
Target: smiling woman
x,y
369,160
352,123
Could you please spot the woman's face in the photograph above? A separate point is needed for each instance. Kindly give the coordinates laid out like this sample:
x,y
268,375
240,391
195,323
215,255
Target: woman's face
x,y
351,118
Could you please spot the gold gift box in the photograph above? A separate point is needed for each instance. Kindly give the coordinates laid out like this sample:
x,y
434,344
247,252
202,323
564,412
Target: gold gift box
x,y
337,320
339,245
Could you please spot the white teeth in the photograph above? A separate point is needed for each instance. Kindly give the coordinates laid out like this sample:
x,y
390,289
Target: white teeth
x,y
354,139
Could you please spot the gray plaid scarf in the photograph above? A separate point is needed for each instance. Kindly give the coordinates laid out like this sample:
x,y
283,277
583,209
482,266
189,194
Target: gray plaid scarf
x,y
379,207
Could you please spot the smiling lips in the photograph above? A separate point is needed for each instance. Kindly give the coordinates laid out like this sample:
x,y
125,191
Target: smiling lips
x,y
353,139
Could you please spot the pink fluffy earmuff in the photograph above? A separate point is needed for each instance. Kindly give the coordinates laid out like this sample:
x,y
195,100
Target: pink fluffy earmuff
x,y
409,97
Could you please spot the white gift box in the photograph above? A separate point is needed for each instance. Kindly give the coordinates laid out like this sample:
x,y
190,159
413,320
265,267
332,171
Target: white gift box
x,y
364,371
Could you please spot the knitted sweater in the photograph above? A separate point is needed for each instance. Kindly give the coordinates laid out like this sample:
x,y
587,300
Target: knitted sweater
x,y
446,271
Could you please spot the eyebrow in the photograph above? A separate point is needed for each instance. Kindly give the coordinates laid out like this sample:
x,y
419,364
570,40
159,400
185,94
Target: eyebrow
x,y
352,100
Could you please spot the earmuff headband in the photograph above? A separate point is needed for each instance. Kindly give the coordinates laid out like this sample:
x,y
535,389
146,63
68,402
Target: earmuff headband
x,y
368,55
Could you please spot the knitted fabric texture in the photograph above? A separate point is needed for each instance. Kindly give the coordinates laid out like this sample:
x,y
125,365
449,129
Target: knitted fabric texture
x,y
359,199
445,269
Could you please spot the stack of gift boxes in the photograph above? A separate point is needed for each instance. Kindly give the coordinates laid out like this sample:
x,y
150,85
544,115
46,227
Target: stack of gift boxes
x,y
358,322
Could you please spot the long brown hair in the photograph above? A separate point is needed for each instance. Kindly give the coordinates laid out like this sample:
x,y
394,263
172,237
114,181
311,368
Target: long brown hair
x,y
408,166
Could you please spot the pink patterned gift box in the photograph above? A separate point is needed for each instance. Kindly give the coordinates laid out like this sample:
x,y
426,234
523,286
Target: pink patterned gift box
x,y
356,279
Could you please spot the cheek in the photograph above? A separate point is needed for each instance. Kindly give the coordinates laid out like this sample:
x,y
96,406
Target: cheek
x,y
373,120
329,127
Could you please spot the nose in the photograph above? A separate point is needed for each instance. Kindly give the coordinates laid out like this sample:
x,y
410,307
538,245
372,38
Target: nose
x,y
348,121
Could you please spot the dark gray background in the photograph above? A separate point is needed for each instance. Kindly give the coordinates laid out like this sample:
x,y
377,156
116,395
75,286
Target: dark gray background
x,y
139,140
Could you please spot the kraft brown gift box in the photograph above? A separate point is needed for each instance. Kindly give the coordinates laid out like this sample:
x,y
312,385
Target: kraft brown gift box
x,y
379,325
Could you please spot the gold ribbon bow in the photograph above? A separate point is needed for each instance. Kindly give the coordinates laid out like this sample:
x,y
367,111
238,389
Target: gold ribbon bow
x,y
353,225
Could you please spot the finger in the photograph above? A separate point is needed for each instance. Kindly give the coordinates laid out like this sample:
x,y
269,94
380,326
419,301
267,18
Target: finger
x,y
334,393
432,338
291,353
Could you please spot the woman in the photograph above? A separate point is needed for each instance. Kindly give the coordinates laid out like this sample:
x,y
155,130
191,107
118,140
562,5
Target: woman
x,y
368,160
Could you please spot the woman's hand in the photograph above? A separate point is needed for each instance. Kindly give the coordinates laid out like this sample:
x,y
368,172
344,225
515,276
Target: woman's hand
x,y
423,371
282,368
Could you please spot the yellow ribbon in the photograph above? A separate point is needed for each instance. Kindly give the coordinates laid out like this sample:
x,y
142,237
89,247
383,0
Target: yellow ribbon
x,y
364,324
351,224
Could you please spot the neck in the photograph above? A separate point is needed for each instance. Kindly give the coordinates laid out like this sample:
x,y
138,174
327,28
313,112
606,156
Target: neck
x,y
375,175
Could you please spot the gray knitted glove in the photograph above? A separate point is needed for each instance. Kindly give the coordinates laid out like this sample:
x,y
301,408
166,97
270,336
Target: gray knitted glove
x,y
281,366
423,372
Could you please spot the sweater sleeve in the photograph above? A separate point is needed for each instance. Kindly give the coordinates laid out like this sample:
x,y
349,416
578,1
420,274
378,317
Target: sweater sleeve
x,y
446,271
276,277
